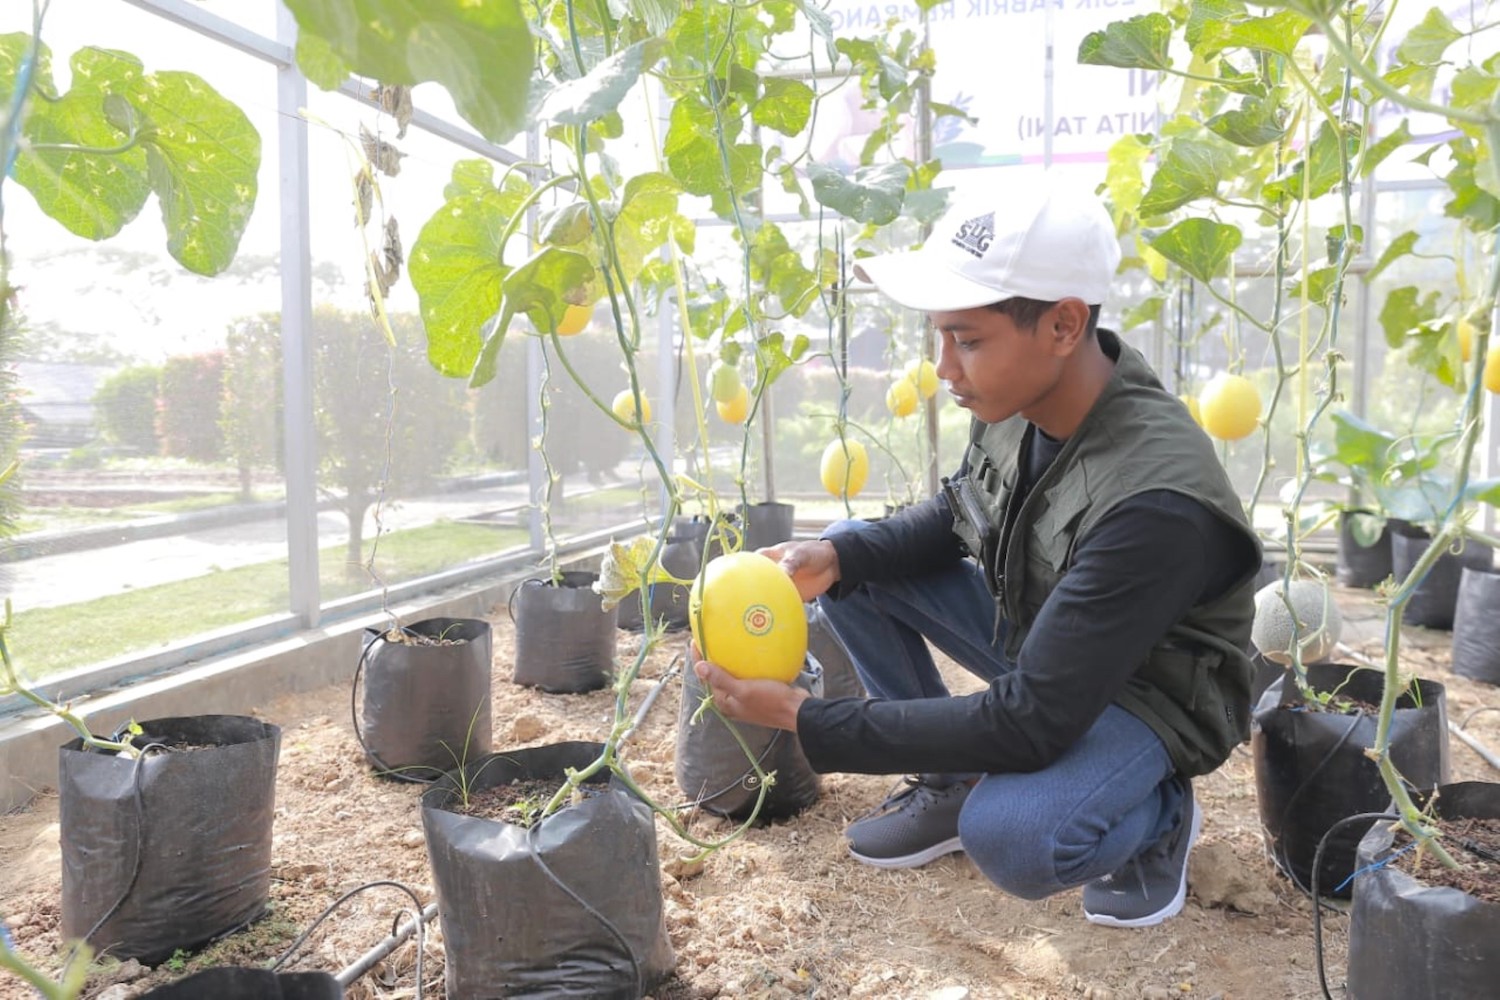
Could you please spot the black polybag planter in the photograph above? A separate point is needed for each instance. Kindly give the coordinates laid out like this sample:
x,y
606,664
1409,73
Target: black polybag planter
x,y
1476,625
768,523
840,679
570,907
200,833
1435,599
426,708
711,767
1358,565
250,984
1408,939
565,640
1311,770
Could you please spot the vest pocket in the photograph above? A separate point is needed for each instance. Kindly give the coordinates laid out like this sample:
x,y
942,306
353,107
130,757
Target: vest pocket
x,y
1204,687
1056,529
1181,671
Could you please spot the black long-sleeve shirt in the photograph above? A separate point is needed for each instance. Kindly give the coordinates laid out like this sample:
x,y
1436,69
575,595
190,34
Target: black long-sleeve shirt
x,y
1134,575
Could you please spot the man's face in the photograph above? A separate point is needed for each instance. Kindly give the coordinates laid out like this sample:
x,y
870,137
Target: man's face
x,y
993,368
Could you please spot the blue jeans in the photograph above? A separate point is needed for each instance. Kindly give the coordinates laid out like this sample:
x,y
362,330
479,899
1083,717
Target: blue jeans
x,y
1110,796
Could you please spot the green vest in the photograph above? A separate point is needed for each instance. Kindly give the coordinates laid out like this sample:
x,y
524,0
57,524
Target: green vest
x,y
1193,690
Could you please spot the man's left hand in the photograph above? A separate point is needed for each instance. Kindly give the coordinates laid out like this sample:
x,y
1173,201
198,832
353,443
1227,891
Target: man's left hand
x,y
763,702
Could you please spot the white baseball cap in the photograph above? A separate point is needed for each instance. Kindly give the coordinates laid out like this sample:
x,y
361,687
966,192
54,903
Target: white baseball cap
x,y
1041,238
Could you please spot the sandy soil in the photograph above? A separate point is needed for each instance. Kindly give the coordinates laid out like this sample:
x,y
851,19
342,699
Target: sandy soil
x,y
783,912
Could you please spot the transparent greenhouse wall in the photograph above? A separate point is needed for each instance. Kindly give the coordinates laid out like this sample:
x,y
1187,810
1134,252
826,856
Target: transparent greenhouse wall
x,y
154,458
599,472
416,473
145,521
453,476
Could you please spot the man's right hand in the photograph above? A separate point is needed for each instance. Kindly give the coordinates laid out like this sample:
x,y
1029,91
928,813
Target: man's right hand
x,y
813,566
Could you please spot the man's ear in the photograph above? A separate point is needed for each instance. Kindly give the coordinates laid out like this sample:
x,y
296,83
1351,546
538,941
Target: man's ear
x,y
1070,321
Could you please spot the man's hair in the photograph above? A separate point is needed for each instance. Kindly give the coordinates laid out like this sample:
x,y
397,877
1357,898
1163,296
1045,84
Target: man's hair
x,y
1026,313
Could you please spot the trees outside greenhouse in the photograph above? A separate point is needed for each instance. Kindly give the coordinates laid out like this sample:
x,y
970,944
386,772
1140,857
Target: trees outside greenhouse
x,y
507,318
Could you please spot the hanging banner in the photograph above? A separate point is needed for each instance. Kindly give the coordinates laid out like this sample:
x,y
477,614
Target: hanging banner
x,y
992,63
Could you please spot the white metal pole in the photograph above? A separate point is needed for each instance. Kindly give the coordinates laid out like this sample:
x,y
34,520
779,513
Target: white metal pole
x,y
536,469
1048,67
1489,444
296,332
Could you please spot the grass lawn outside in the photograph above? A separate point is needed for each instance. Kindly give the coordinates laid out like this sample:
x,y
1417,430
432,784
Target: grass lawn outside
x,y
46,640
69,518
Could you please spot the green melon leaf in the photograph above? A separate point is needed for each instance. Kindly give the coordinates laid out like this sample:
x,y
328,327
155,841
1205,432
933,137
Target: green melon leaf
x,y
540,286
820,22
319,62
1484,491
1278,34
785,105
456,268
1359,444
481,51
1137,43
657,15
1206,12
1425,44
1123,178
1148,310
203,157
648,217
1201,247
1257,122
872,194
92,194
1192,169
579,101
1404,308
1376,152
1395,249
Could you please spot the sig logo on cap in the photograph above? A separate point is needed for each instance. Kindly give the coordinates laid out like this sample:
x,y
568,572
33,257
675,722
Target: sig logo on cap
x,y
975,235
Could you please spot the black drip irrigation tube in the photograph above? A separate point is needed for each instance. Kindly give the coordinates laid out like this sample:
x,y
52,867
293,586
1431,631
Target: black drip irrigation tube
x,y
673,670
394,940
1284,852
399,934
1317,904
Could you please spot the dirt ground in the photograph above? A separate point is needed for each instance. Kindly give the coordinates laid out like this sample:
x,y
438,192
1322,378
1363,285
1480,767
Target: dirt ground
x,y
782,912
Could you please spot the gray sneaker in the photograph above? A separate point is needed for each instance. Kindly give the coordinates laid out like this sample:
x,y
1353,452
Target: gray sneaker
x,y
1151,886
918,823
